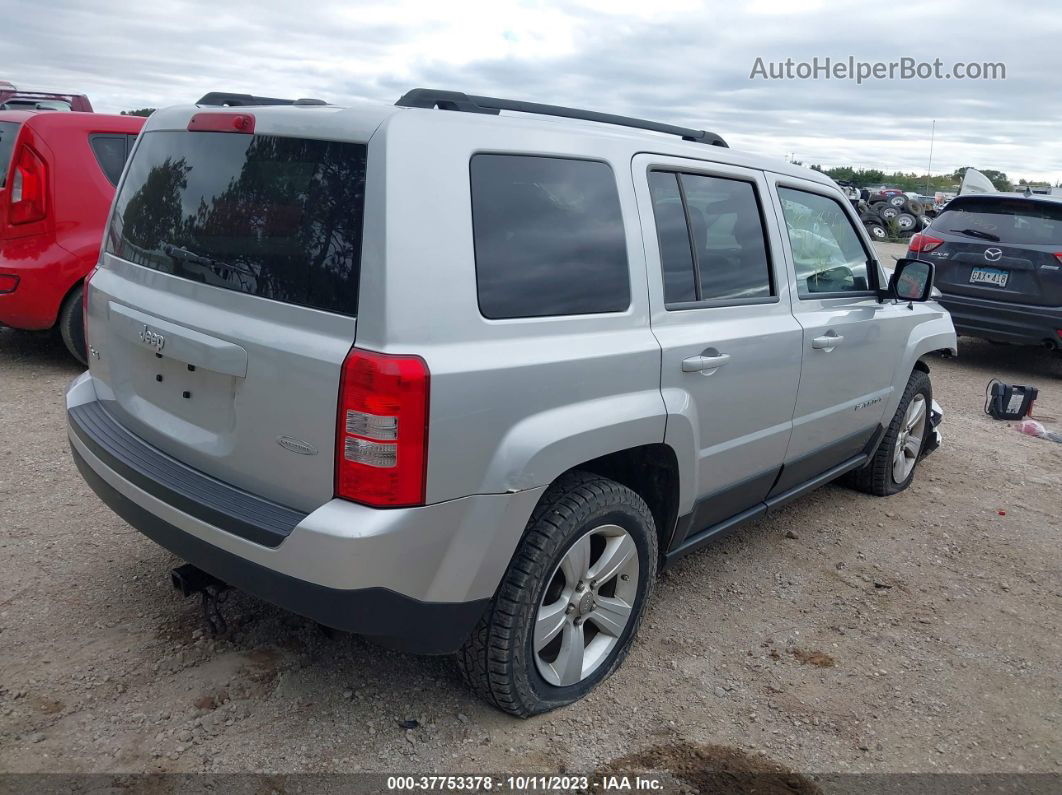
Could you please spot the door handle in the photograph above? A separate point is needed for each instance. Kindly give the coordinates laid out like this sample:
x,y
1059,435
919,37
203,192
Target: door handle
x,y
827,342
698,364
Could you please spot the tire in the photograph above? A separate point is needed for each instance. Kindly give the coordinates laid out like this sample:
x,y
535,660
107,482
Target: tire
x,y
898,200
499,661
888,212
906,222
72,325
914,207
877,207
877,230
880,476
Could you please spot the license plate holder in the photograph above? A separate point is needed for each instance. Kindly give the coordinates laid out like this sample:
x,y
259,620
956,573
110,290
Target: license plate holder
x,y
994,277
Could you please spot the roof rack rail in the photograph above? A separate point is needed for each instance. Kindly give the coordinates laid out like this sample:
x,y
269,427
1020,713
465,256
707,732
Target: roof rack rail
x,y
222,98
466,103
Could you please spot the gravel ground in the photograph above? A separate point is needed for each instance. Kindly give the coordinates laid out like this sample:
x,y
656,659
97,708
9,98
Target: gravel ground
x,y
917,633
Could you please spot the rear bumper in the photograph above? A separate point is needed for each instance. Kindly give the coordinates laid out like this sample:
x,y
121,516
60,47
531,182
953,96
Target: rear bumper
x,y
418,578
1002,321
46,273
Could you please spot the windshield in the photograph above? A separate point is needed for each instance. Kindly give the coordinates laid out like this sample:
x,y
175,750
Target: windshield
x,y
8,133
1017,221
275,217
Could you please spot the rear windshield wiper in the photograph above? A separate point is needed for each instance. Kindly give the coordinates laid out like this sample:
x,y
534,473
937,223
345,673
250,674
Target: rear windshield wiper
x,y
976,233
170,250
185,255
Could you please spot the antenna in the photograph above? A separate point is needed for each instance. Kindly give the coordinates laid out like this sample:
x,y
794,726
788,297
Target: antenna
x,y
929,171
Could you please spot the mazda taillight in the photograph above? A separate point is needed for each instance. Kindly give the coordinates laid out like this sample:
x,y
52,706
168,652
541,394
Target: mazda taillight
x,y
921,242
29,188
382,434
1058,256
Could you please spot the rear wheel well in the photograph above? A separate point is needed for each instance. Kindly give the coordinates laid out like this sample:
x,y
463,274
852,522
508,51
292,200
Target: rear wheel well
x,y
651,471
66,299
71,325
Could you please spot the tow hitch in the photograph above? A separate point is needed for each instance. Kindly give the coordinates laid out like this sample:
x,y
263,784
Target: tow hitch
x,y
190,580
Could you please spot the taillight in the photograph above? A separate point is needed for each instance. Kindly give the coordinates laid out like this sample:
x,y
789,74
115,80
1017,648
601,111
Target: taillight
x,y
28,188
8,283
382,438
1058,256
923,242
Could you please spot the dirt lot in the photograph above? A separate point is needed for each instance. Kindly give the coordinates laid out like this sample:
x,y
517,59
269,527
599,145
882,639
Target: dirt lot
x,y
848,633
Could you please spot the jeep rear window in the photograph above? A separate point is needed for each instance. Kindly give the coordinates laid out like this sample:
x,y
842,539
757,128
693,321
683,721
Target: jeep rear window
x,y
548,236
8,134
275,217
1011,220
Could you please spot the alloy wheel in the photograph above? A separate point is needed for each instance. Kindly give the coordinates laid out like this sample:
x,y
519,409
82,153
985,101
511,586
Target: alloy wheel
x,y
587,605
909,441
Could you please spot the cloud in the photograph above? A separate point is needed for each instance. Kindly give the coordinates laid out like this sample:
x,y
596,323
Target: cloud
x,y
682,62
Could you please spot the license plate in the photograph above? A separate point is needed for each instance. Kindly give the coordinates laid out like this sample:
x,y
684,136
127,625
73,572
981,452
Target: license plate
x,y
993,276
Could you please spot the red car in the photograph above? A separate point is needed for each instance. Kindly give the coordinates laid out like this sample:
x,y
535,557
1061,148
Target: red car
x,y
58,172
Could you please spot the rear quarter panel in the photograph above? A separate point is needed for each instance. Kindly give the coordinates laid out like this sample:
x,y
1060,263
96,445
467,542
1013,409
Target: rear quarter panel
x,y
82,192
514,403
55,254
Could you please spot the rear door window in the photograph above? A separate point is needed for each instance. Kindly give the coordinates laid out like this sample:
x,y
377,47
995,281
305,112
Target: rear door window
x,y
110,151
275,217
8,134
728,238
549,237
673,236
1004,220
712,241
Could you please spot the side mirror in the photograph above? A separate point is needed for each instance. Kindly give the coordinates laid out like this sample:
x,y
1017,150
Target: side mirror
x,y
912,280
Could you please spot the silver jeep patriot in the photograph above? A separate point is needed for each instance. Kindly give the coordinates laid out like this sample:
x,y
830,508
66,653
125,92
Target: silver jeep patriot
x,y
461,374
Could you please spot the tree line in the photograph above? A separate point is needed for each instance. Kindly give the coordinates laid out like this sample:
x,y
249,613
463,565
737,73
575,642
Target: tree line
x,y
915,183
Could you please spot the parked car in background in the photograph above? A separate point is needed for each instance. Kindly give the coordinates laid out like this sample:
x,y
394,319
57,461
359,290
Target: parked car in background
x,y
58,172
998,260
12,98
462,380
889,195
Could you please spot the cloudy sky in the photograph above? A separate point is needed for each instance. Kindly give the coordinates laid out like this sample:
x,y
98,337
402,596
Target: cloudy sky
x,y
671,60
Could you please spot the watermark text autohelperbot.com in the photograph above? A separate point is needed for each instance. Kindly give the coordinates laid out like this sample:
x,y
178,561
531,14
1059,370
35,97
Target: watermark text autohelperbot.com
x,y
850,68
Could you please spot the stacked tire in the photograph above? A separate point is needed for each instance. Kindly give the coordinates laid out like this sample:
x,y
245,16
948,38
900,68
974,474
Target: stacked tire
x,y
899,216
875,226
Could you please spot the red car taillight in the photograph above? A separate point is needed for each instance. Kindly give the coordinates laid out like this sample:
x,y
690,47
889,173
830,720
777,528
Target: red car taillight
x,y
1058,256
921,242
382,434
29,188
